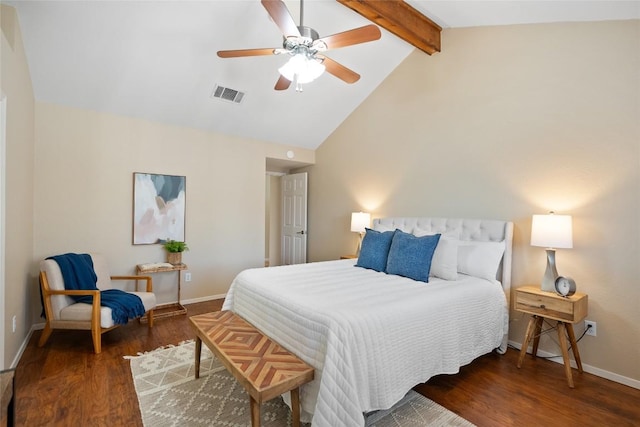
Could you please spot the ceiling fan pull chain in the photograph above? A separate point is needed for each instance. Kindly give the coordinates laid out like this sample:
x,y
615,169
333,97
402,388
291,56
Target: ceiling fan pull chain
x,y
297,83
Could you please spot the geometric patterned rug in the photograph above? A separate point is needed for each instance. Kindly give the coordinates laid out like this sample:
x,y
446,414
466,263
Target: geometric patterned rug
x,y
170,396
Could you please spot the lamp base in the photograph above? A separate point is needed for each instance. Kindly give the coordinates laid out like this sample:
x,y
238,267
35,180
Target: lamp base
x,y
550,274
359,243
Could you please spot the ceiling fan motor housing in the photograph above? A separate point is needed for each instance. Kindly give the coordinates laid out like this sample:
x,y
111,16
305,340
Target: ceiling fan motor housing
x,y
307,43
308,32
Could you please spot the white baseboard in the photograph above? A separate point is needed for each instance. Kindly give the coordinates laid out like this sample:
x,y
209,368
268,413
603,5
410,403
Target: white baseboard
x,y
587,368
23,346
193,300
203,299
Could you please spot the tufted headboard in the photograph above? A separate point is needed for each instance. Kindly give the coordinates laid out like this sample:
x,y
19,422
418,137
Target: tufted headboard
x,y
481,230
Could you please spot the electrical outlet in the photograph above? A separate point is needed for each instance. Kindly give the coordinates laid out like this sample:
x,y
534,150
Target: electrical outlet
x,y
14,323
187,277
590,330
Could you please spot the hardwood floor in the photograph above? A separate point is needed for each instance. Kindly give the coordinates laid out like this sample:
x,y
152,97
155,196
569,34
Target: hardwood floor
x,y
66,384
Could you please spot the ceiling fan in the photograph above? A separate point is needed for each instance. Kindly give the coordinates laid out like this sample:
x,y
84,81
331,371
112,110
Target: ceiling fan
x,y
305,48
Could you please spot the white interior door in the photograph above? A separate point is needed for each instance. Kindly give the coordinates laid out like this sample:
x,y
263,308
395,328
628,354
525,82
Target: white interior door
x,y
294,219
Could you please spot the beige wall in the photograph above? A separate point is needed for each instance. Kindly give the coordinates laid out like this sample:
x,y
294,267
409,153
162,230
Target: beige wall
x,y
18,227
84,192
507,122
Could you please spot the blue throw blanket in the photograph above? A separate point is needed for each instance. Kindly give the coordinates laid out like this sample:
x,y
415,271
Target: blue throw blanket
x,y
78,274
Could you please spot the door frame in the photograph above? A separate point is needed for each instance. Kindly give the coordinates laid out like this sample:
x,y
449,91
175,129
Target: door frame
x,y
3,180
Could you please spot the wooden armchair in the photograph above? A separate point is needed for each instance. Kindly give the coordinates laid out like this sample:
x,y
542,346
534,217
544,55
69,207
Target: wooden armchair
x,y
63,312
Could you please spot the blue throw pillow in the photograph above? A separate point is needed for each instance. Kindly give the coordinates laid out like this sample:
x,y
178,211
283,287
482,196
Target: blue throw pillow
x,y
410,256
374,251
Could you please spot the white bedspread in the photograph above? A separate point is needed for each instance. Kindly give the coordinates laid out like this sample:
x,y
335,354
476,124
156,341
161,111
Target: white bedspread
x,y
370,336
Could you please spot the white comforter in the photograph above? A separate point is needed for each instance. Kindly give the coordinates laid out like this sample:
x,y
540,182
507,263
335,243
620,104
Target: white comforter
x,y
370,336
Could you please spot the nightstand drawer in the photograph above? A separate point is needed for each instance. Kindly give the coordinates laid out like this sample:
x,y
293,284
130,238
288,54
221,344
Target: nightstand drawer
x,y
549,305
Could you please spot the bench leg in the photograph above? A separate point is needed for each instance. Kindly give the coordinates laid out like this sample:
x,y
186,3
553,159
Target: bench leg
x,y
197,352
255,412
295,407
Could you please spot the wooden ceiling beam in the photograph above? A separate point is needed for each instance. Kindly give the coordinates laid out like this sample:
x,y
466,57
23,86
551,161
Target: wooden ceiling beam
x,y
402,20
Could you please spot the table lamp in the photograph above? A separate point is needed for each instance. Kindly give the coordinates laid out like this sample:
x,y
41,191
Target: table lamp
x,y
359,221
552,232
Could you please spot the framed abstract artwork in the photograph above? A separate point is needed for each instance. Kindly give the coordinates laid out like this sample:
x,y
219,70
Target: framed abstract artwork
x,y
159,208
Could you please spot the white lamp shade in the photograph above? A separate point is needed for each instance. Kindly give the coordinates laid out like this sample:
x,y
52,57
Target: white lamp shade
x,y
360,220
306,69
552,231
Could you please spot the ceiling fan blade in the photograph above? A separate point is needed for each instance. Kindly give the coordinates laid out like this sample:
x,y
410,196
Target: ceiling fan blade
x,y
347,38
281,16
245,52
339,70
283,83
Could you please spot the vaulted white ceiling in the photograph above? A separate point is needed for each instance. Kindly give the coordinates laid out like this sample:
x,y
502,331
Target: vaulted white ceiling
x,y
157,59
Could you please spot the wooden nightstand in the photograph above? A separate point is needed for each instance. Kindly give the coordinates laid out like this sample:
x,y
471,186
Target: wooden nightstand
x,y
348,256
548,305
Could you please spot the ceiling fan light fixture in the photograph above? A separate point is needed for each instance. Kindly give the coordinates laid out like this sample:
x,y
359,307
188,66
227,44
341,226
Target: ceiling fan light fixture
x,y
302,69
304,46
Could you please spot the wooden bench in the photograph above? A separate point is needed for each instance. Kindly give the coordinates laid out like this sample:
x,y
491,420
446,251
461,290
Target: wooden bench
x,y
264,368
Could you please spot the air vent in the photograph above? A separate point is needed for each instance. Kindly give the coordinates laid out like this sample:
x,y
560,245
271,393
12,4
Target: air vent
x,y
228,94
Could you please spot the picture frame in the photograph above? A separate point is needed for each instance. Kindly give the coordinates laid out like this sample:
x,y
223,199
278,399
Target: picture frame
x,y
159,208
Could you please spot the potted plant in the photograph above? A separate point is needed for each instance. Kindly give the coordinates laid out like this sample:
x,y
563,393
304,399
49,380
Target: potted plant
x,y
174,251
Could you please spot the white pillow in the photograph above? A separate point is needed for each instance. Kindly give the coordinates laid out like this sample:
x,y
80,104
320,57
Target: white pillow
x,y
444,263
480,259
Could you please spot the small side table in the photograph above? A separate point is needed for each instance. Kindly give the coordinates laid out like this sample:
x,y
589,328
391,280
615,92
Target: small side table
x,y
549,305
165,310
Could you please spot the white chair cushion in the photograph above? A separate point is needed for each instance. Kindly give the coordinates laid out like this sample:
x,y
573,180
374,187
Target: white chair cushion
x,y
54,277
82,312
148,299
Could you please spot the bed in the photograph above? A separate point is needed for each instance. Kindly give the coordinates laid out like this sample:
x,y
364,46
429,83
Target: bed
x,y
372,336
